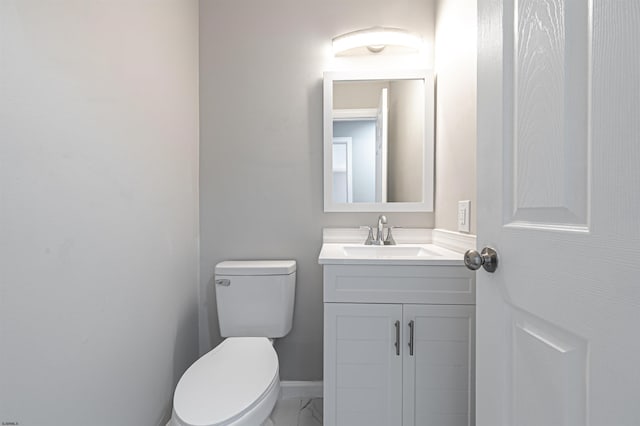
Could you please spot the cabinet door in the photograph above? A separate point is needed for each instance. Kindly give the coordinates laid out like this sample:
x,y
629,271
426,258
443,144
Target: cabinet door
x,y
362,371
438,377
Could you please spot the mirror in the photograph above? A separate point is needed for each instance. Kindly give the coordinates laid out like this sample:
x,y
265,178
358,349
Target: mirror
x,y
378,141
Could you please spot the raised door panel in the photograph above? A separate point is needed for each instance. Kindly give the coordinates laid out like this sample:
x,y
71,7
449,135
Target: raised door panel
x,y
362,372
438,377
546,148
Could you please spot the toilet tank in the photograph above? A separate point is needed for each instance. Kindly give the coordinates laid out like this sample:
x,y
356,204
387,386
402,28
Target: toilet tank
x,y
255,298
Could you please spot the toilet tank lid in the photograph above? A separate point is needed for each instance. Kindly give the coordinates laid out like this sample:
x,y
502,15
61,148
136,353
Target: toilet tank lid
x,y
256,267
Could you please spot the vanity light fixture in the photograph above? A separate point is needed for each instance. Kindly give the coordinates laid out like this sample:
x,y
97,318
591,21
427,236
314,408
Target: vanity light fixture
x,y
375,39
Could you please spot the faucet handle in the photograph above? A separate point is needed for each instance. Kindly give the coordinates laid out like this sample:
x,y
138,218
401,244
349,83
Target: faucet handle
x,y
369,240
389,241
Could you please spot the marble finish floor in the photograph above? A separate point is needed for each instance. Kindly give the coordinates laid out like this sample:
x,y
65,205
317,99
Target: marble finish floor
x,y
298,412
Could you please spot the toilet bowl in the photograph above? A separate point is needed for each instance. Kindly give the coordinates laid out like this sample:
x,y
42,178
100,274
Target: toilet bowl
x,y
236,383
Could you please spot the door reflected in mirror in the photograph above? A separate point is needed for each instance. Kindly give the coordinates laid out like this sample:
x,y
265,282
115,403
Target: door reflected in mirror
x,y
378,142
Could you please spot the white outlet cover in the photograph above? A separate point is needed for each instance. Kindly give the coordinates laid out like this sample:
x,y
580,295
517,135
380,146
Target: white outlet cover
x,y
464,216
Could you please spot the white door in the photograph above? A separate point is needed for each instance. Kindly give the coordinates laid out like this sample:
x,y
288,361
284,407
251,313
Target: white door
x,y
382,124
558,323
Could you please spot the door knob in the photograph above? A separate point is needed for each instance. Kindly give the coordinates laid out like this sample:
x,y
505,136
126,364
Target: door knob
x,y
488,259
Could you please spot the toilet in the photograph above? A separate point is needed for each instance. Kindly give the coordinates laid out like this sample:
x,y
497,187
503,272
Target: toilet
x,y
238,382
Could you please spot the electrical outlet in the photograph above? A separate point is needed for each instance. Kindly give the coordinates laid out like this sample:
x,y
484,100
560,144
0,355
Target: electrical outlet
x,y
464,218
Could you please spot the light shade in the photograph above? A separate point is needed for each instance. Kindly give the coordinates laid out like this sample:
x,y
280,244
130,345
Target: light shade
x,y
376,39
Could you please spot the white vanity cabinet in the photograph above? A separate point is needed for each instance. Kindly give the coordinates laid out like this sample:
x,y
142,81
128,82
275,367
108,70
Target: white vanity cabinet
x,y
398,345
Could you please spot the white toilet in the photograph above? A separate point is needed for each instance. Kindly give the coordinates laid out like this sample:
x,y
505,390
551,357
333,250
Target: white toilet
x,y
237,383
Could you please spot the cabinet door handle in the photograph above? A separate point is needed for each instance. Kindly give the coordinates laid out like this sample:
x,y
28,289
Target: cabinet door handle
x,y
411,324
397,344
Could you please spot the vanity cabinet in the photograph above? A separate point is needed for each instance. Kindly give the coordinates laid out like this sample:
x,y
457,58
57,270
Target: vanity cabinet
x,y
405,356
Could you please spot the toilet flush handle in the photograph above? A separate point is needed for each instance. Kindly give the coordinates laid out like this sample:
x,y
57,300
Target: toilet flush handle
x,y
224,282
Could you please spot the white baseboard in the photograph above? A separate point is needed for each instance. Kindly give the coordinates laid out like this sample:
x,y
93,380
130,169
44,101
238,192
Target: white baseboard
x,y
298,389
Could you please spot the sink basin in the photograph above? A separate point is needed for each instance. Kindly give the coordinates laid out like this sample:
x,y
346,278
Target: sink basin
x,y
388,251
401,254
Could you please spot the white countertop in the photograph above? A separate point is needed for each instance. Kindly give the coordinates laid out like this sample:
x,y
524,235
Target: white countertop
x,y
416,246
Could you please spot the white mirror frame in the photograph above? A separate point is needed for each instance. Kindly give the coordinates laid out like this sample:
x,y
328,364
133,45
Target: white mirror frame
x,y
428,170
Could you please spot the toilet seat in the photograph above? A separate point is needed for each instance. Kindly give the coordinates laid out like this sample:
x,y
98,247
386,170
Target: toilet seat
x,y
227,383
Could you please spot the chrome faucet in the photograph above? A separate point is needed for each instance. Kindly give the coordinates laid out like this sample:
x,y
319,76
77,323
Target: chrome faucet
x,y
382,220
379,239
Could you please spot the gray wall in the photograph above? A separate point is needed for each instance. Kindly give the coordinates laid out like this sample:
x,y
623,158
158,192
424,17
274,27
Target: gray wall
x,y
406,138
456,42
359,94
98,209
261,67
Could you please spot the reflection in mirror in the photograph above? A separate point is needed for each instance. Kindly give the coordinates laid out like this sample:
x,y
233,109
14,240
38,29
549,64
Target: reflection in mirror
x,y
384,121
378,142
